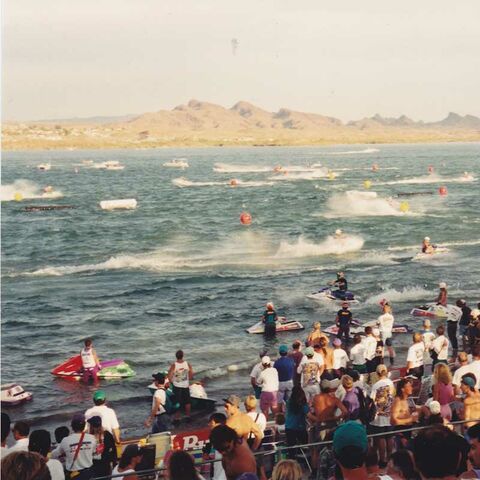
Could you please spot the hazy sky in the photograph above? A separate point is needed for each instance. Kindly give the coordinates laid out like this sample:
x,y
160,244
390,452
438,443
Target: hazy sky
x,y
345,58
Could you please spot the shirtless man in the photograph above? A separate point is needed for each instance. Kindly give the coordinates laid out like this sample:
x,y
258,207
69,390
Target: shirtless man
x,y
241,422
401,416
315,335
237,458
471,402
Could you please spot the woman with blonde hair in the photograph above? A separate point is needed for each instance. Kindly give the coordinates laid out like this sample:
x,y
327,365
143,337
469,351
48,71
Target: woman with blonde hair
x,y
287,470
315,335
443,389
258,417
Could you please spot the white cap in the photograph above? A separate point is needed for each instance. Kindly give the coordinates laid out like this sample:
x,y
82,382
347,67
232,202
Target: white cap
x,y
266,360
442,285
427,239
475,313
270,304
434,407
338,231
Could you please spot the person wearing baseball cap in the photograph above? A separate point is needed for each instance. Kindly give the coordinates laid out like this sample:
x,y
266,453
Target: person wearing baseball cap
x,y
107,414
131,457
311,370
285,367
256,370
471,402
241,422
77,459
350,445
268,380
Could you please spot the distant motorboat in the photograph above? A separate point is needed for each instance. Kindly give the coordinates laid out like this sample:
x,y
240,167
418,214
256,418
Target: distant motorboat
x,y
177,163
110,165
13,394
44,167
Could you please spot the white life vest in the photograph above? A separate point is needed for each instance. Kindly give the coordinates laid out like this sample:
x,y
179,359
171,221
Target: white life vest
x,y
88,360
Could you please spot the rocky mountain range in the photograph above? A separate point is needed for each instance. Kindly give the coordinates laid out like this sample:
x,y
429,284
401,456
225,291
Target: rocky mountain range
x,y
203,123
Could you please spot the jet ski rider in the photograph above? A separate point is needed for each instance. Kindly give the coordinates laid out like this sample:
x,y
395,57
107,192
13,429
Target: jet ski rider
x,y
270,318
427,247
341,283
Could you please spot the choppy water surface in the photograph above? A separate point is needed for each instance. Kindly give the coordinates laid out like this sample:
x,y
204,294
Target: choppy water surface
x,y
180,271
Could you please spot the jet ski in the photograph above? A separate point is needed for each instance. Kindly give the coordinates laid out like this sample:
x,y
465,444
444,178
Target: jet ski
x,y
283,325
432,310
72,368
428,256
13,394
329,295
357,328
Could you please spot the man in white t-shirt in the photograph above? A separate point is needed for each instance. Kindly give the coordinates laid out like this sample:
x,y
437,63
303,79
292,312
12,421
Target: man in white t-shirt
x,y
357,354
415,356
474,367
385,325
20,433
340,357
107,414
268,380
256,370
440,347
77,458
464,368
180,374
40,442
158,412
370,345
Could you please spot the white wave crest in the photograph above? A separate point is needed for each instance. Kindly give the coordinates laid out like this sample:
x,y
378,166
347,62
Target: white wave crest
x,y
233,183
433,178
313,174
375,258
361,204
330,246
353,152
25,190
233,168
407,294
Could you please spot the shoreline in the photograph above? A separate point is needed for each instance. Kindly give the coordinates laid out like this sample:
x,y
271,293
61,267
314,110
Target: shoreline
x,y
233,144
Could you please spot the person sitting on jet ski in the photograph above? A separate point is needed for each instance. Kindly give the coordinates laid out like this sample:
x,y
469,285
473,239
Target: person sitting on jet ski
x,y
341,283
270,318
427,247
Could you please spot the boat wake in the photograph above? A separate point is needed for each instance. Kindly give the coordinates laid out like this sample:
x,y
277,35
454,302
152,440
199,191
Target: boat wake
x,y
407,294
25,190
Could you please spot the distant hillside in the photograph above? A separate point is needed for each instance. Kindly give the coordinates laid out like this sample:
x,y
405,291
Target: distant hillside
x,y
201,123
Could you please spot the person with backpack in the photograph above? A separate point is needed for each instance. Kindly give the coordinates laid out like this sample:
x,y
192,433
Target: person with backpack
x,y
159,406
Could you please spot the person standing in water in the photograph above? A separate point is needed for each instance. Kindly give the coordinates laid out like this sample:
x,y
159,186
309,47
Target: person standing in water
x,y
427,247
180,374
343,321
442,294
269,319
90,363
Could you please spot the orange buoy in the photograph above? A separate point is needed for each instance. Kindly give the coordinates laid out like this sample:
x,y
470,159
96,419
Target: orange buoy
x,y
233,182
443,191
245,218
430,169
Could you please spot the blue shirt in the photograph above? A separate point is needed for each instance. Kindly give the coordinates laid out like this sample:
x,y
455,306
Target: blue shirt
x,y
296,421
285,367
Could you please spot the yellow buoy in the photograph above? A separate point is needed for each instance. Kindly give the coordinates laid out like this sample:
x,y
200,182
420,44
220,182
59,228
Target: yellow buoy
x,y
367,184
18,197
331,175
404,207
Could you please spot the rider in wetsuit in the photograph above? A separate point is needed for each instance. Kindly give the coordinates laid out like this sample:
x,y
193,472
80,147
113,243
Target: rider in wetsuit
x,y
341,283
270,318
343,321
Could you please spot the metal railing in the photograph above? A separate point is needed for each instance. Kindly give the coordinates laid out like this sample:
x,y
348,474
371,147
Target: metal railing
x,y
279,449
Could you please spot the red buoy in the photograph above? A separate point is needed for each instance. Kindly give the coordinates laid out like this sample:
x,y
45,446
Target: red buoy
x,y
245,218
443,191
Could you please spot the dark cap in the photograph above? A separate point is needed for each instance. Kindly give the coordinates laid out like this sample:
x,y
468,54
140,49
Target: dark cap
x,y
95,421
78,418
233,400
159,377
130,451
